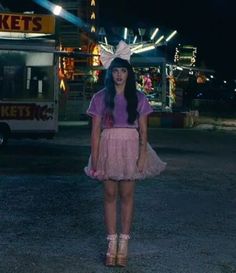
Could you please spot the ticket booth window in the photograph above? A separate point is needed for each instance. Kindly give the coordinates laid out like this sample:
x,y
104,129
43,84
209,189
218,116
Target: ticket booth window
x,y
26,75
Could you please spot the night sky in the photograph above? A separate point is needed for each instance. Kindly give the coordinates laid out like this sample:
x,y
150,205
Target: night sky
x,y
209,25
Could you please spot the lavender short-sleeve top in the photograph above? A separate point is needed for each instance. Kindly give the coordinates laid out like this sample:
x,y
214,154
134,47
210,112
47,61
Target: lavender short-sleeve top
x,y
97,108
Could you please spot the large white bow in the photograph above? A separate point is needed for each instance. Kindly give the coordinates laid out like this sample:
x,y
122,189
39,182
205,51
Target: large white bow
x,y
122,51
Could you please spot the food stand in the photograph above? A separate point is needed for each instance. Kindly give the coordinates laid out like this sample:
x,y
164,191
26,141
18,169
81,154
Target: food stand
x,y
28,76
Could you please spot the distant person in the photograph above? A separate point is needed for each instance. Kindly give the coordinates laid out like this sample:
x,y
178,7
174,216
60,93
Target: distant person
x,y
147,84
120,153
139,83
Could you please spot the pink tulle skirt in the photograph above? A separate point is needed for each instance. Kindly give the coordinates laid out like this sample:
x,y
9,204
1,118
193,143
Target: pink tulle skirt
x,y
118,155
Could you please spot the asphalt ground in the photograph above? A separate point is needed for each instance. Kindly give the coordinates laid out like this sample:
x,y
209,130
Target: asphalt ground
x,y
184,221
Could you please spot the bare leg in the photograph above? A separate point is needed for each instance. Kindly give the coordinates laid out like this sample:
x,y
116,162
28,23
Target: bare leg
x,y
110,198
126,191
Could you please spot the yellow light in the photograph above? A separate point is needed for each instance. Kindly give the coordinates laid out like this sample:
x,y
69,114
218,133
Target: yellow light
x,y
62,85
105,38
125,33
159,40
106,48
171,35
147,48
136,48
154,33
93,16
93,3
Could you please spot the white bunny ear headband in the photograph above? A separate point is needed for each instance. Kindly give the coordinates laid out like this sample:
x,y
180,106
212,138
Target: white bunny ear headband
x,y
122,51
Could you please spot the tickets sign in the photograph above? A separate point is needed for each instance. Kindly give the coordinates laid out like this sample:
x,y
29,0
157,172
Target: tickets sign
x,y
29,23
23,111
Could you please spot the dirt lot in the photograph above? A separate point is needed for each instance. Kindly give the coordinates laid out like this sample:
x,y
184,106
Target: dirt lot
x,y
185,219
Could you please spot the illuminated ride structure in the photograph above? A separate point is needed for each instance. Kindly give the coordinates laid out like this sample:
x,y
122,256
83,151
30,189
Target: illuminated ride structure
x,y
148,48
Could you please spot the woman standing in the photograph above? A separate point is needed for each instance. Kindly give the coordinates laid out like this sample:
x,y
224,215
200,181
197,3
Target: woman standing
x,y
120,153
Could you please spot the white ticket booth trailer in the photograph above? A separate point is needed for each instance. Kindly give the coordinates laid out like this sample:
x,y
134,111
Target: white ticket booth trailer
x,y
28,77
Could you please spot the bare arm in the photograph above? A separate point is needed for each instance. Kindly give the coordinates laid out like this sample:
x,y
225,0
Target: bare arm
x,y
95,138
142,142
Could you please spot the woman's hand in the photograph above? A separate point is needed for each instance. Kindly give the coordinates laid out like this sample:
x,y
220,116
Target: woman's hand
x,y
141,163
95,139
142,143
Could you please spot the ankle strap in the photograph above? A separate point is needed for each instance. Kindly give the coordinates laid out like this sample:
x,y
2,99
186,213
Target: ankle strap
x,y
124,236
111,237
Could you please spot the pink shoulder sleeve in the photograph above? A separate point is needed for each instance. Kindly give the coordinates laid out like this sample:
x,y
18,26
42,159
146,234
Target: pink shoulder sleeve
x,y
144,107
96,105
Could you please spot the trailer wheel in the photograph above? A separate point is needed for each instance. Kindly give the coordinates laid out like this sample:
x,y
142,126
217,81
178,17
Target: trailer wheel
x,y
3,137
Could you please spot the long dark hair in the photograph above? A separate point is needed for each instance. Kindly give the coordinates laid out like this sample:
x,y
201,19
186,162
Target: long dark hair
x,y
130,91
